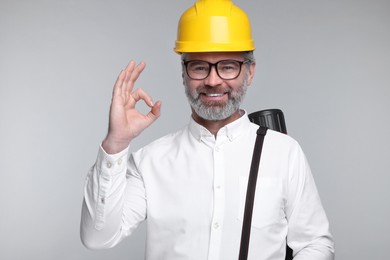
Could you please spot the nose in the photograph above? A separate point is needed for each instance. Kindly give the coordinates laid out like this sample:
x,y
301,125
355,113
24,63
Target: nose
x,y
213,79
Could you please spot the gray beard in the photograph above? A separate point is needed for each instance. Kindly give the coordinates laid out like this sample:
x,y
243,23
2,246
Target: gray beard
x,y
216,112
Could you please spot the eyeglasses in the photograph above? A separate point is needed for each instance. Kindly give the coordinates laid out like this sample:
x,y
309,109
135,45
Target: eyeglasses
x,y
226,69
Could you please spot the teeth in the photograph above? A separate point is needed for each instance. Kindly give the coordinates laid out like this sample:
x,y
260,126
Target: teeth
x,y
214,95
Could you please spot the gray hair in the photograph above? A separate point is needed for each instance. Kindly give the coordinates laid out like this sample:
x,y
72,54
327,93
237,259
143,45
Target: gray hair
x,y
249,56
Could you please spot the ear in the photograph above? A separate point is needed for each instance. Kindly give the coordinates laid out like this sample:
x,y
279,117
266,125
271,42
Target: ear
x,y
183,78
251,74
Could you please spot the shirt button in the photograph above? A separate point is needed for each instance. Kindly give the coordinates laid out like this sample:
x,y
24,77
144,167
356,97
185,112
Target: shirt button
x,y
216,225
120,161
109,164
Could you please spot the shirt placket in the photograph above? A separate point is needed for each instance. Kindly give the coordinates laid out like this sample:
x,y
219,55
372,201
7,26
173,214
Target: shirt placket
x,y
219,203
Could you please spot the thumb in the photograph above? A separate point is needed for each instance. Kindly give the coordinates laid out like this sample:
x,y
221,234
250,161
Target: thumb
x,y
154,113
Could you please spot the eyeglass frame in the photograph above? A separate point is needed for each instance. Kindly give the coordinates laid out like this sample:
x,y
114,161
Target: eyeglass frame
x,y
185,63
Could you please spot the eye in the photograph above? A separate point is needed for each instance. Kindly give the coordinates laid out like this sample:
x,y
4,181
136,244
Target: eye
x,y
197,66
228,66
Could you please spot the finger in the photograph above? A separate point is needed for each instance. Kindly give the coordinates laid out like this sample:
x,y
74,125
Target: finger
x,y
126,87
137,71
132,73
140,94
117,90
155,111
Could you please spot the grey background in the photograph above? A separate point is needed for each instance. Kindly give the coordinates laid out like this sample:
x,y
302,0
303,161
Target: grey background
x,y
326,64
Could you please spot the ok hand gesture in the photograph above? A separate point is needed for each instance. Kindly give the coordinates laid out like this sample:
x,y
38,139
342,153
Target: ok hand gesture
x,y
126,122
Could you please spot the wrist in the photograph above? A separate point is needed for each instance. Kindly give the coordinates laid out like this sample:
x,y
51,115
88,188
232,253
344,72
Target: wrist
x,y
112,146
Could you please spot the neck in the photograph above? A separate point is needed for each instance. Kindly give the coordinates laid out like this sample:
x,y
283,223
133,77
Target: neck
x,y
214,125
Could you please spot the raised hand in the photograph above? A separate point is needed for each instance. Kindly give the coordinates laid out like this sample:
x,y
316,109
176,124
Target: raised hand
x,y
126,122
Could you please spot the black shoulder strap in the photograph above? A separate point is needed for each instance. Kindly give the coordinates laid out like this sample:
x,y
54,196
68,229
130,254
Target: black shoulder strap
x,y
250,196
250,193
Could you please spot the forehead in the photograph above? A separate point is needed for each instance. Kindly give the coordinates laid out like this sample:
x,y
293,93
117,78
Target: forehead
x,y
214,56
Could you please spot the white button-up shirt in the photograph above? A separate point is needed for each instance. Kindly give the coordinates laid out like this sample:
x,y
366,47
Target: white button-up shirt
x,y
190,186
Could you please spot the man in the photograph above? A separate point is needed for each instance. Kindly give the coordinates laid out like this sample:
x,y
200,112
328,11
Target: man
x,y
190,186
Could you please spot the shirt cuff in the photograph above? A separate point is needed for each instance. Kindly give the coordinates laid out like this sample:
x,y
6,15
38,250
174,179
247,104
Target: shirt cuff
x,y
111,163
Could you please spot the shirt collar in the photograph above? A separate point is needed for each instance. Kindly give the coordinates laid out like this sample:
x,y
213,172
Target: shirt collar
x,y
229,131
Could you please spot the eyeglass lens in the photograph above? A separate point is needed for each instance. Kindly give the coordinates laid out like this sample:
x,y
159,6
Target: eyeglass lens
x,y
226,69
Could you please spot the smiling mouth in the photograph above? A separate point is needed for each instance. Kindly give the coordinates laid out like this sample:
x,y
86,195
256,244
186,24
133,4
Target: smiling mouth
x,y
213,98
214,95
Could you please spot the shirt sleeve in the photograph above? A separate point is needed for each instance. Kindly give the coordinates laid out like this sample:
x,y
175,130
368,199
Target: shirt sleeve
x,y
308,234
114,201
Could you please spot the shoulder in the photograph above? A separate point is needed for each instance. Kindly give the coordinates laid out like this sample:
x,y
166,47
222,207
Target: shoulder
x,y
275,137
279,143
281,139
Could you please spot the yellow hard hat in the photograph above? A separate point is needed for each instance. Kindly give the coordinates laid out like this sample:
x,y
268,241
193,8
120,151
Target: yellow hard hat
x,y
214,26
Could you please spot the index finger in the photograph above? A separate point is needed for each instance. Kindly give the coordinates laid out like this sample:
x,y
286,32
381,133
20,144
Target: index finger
x,y
141,94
